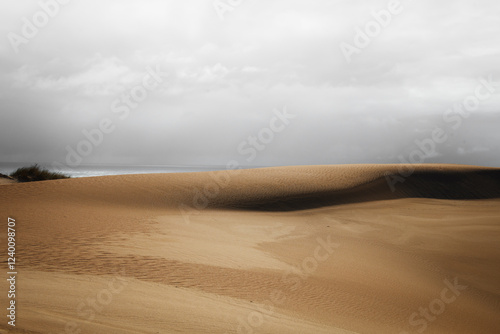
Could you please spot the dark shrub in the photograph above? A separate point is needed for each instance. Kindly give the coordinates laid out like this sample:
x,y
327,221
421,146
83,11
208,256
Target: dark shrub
x,y
36,173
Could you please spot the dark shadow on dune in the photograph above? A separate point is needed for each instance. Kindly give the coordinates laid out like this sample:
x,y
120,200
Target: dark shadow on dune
x,y
438,185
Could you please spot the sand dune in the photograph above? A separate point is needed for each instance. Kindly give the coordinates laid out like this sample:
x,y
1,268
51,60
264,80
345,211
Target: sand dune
x,y
307,249
4,179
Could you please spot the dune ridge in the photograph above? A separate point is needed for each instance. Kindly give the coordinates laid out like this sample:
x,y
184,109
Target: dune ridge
x,y
280,188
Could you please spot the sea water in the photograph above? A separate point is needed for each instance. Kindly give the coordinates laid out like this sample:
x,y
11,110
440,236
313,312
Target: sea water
x,y
101,170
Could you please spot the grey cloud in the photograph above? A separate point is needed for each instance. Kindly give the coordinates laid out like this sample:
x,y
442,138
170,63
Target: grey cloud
x,y
224,79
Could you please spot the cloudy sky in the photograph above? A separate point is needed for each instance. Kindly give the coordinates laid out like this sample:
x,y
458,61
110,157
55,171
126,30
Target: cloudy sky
x,y
274,82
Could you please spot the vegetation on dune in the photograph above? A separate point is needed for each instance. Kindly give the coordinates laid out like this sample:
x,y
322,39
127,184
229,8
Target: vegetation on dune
x,y
36,173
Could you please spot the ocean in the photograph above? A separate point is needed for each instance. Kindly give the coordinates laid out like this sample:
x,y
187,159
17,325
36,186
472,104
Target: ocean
x,y
101,170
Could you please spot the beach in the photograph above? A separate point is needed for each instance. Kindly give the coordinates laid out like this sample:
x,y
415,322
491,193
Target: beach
x,y
304,249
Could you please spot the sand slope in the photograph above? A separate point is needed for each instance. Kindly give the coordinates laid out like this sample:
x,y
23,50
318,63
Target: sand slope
x,y
308,249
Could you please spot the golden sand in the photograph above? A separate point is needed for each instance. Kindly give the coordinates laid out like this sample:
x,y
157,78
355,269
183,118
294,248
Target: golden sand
x,y
308,249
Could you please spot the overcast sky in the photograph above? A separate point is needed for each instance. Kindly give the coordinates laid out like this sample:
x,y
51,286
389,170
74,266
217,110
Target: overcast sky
x,y
260,82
